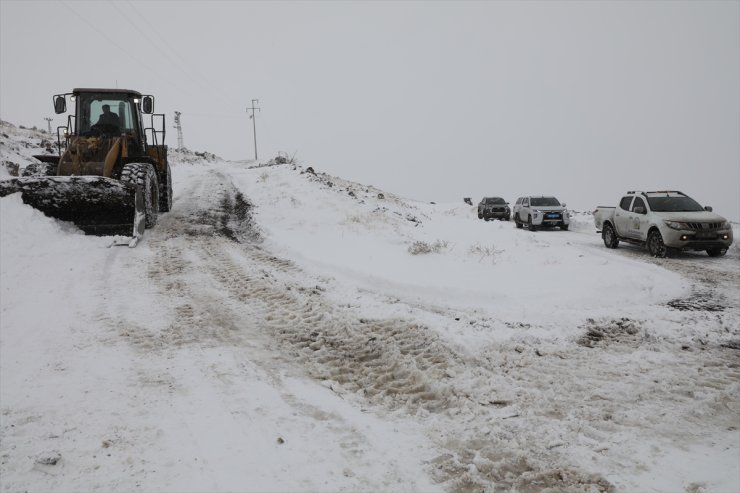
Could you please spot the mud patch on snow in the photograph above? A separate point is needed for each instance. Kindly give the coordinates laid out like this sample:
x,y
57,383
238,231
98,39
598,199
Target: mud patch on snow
x,y
231,218
236,219
390,362
604,332
732,344
700,301
476,468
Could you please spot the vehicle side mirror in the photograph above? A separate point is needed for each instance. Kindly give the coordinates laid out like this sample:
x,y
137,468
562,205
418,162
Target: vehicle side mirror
x,y
563,204
60,104
639,210
708,208
147,105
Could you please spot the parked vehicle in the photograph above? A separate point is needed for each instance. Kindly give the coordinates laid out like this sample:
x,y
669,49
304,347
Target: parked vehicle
x,y
493,208
540,211
663,220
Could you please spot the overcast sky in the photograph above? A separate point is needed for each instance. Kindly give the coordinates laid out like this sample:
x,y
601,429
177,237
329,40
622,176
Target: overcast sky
x,y
432,100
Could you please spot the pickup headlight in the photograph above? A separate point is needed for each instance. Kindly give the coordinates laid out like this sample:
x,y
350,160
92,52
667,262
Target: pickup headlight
x,y
676,225
725,225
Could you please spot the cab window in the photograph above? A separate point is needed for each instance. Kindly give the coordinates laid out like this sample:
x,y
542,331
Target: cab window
x,y
90,107
638,203
624,204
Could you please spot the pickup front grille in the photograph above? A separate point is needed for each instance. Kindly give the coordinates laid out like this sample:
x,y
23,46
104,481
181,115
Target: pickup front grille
x,y
704,226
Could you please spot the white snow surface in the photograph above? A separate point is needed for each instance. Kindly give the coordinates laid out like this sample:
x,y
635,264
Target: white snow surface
x,y
283,330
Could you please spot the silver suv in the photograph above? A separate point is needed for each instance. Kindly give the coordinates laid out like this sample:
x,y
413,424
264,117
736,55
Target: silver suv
x,y
540,211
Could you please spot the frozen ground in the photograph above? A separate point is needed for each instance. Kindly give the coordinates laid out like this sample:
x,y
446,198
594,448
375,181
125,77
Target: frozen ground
x,y
282,330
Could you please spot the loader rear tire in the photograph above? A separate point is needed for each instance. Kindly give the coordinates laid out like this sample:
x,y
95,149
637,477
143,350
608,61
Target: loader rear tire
x,y
165,192
143,176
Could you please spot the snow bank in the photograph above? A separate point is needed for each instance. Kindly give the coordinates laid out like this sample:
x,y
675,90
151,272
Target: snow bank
x,y
480,269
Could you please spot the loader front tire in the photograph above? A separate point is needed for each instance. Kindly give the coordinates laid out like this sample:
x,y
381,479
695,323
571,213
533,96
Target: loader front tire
x,y
143,176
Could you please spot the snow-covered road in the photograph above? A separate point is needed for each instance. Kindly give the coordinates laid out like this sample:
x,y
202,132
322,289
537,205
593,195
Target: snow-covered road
x,y
274,333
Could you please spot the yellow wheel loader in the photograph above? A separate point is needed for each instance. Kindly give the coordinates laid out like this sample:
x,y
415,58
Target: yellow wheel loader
x,y
113,177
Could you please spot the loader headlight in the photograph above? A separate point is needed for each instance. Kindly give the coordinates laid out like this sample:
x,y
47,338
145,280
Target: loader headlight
x,y
676,225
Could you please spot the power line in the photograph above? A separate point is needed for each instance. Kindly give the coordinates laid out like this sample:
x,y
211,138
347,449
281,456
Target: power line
x,y
209,86
148,38
111,41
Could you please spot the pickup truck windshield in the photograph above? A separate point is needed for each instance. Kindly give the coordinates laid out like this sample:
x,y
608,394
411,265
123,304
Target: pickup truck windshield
x,y
544,201
496,200
673,204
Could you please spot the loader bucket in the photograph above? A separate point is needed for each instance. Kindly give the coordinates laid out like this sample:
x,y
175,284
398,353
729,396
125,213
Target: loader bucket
x,y
97,205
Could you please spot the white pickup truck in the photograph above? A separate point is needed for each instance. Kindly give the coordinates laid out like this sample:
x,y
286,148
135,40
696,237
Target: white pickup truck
x,y
663,220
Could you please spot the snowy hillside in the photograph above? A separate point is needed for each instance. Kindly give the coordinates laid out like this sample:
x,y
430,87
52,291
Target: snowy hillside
x,y
286,330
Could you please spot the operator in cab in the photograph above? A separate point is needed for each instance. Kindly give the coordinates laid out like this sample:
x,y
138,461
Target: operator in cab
x,y
108,122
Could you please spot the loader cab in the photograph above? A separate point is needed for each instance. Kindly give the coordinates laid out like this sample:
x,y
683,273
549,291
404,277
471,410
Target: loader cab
x,y
113,113
106,113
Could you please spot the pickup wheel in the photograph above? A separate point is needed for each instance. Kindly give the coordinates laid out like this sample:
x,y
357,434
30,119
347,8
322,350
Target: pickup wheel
x,y
609,236
716,252
517,221
564,227
655,244
530,226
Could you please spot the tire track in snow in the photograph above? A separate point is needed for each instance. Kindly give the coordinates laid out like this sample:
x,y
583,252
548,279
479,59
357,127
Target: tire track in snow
x,y
395,365
509,418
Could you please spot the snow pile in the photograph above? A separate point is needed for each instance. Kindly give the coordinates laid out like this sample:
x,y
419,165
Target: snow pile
x,y
18,146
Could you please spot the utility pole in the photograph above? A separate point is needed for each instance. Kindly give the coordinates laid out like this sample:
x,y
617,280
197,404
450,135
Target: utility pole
x,y
179,130
254,124
48,123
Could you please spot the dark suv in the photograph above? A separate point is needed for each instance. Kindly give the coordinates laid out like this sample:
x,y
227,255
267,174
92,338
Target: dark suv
x,y
493,208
